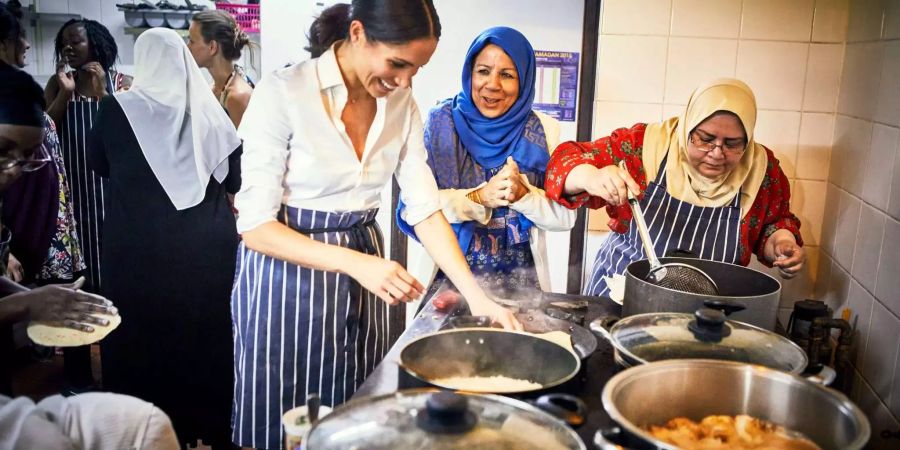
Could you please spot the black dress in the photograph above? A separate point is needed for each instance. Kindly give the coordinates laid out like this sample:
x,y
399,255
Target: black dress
x,y
170,274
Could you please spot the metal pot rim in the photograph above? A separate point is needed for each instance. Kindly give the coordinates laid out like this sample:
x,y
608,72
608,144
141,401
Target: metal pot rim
x,y
555,383
748,369
612,338
671,259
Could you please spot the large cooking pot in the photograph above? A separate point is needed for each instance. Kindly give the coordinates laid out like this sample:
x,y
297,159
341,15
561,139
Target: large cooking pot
x,y
489,352
706,334
752,295
652,394
428,419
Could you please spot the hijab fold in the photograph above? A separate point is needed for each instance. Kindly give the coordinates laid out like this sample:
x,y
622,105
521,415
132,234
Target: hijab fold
x,y
184,133
671,137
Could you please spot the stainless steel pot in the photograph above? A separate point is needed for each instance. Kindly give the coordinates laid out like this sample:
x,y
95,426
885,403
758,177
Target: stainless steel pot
x,y
652,394
752,296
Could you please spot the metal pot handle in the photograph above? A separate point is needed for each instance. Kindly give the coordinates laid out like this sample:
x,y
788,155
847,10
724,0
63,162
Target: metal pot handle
x,y
604,439
601,326
568,408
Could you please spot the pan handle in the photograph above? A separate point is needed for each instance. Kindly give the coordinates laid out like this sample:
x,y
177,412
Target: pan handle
x,y
469,322
601,326
568,408
605,439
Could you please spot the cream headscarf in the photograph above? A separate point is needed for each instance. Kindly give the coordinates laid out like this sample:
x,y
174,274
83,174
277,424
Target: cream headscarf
x,y
670,137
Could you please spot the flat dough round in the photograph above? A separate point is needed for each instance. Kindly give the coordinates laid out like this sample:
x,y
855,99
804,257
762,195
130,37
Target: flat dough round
x,y
54,336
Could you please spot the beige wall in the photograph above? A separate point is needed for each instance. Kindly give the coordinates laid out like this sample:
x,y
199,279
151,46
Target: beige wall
x,y
859,267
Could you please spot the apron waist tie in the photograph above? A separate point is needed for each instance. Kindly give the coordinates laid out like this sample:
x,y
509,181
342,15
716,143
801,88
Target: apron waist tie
x,y
358,235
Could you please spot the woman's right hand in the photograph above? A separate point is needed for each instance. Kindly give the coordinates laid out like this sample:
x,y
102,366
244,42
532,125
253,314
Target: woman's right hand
x,y
611,183
496,193
65,80
385,278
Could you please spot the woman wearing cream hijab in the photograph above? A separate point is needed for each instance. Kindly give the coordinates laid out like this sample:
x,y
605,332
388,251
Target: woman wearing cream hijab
x,y
706,186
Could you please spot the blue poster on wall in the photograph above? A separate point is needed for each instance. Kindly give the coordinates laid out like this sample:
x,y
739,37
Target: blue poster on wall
x,y
556,84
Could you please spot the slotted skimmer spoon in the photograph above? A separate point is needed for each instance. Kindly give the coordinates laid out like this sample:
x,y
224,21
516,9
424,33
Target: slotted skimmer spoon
x,y
677,276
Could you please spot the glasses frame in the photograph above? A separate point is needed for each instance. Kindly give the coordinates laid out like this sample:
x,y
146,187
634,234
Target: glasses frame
x,y
38,159
708,147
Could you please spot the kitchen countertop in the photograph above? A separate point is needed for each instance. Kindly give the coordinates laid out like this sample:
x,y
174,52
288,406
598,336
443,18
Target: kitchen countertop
x,y
596,369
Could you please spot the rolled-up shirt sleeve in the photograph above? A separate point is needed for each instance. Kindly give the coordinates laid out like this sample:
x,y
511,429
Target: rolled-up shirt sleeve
x,y
266,131
418,190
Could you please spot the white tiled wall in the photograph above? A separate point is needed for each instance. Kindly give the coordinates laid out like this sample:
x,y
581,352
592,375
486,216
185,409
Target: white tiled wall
x,y
860,257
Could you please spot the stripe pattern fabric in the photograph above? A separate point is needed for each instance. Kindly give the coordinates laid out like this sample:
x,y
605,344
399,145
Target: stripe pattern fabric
x,y
711,233
85,186
299,331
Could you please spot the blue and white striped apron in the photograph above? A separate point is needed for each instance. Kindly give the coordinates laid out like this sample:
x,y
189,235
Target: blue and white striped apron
x,y
299,331
711,233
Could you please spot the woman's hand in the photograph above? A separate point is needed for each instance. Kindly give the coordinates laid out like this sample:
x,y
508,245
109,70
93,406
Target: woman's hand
x,y
486,307
611,183
65,80
385,278
518,182
496,192
65,305
788,256
97,79
14,269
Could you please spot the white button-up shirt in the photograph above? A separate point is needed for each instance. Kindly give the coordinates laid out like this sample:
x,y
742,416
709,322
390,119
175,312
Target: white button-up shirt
x,y
297,151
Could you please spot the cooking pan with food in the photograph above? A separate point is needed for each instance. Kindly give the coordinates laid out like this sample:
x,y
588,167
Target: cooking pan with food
x,y
489,360
656,393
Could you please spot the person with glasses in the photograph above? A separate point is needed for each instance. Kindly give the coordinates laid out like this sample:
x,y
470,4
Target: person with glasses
x,y
705,186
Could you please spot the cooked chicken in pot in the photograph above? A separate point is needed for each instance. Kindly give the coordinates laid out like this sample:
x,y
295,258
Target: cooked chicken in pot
x,y
741,432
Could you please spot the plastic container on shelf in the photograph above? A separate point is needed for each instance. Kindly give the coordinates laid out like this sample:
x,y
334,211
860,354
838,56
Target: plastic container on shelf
x,y
179,20
155,18
135,19
247,16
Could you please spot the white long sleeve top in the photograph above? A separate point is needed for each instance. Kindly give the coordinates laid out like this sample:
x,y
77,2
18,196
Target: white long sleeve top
x,y
297,151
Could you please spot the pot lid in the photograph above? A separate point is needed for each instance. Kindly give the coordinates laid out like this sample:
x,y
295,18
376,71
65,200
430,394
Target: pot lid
x,y
438,420
704,335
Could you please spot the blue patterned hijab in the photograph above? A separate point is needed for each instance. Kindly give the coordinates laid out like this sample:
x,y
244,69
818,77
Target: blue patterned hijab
x,y
462,144
491,141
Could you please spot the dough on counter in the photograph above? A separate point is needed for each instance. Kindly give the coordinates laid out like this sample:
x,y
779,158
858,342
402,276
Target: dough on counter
x,y
56,336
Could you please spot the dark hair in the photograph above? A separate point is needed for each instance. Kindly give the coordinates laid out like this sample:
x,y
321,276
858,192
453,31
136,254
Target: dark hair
x,y
389,21
103,45
220,26
10,27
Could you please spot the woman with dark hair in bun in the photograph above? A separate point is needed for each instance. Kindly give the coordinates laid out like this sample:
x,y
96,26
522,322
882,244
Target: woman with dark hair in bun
x,y
310,302
216,41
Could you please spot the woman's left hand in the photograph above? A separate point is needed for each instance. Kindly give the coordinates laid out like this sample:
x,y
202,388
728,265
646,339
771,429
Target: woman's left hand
x,y
789,257
98,79
498,314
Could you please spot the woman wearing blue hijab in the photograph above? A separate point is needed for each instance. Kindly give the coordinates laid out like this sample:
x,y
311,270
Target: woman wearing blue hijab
x,y
489,150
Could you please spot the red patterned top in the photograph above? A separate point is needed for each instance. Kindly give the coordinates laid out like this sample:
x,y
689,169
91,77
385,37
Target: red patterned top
x,y
770,211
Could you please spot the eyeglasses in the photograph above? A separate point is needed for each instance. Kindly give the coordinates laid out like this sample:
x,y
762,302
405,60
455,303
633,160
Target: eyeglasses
x,y
708,145
39,158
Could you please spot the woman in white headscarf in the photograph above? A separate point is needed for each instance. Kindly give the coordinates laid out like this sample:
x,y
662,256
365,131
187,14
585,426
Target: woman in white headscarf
x,y
170,155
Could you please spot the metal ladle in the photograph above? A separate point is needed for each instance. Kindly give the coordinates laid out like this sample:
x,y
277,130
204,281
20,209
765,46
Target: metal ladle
x,y
677,276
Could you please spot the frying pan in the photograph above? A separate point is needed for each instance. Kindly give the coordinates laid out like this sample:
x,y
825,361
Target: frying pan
x,y
487,352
